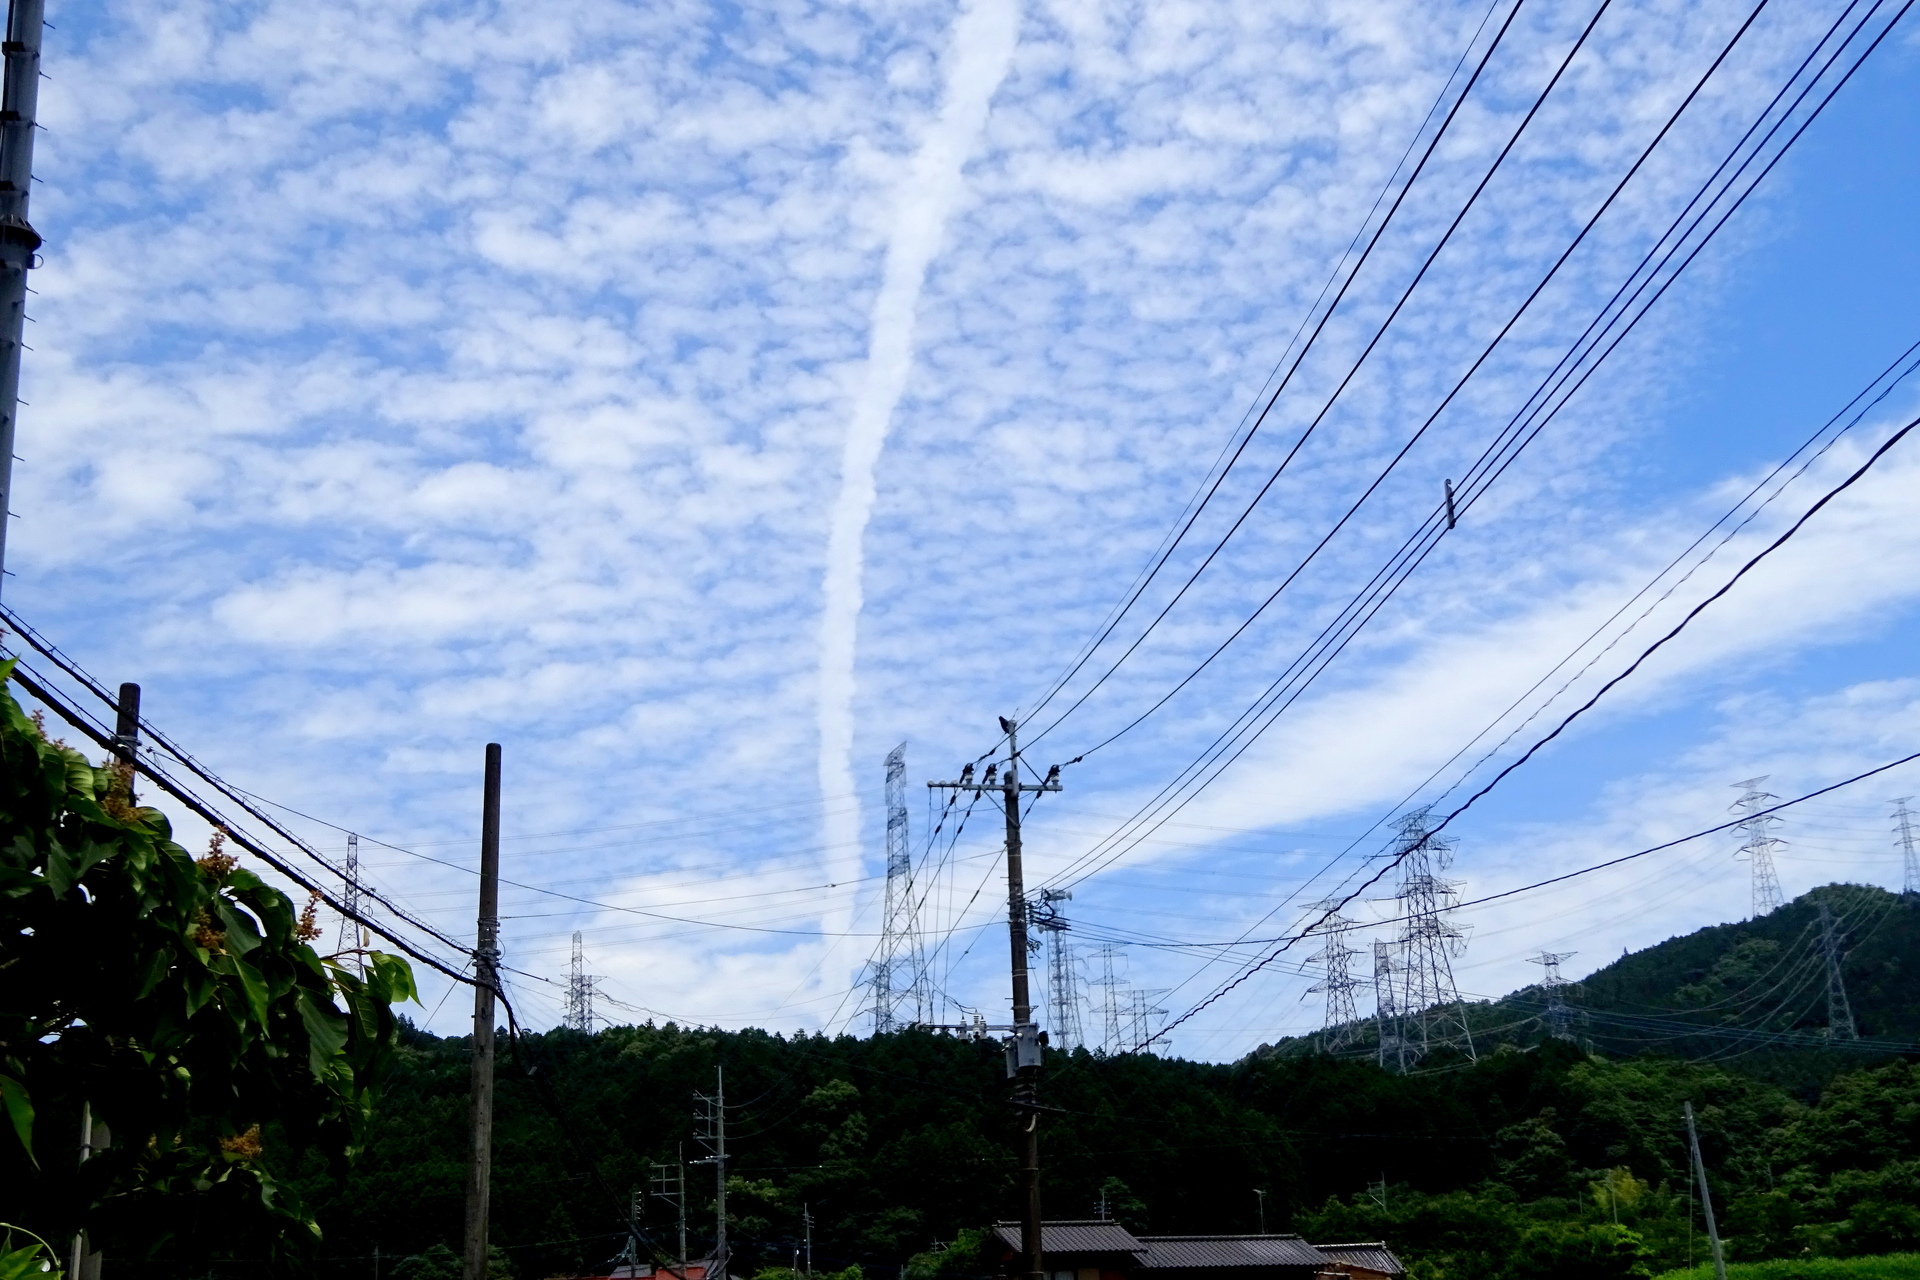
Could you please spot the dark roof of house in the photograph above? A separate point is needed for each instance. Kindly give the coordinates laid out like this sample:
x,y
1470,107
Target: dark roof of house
x,y
1204,1252
1375,1256
1089,1236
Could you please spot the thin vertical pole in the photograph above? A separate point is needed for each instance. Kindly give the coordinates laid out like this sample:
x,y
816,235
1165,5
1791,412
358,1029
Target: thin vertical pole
x,y
486,955
1706,1200
19,103
1031,1242
719,1271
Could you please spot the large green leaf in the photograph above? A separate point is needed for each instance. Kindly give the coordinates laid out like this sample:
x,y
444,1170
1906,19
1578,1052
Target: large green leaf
x,y
19,1107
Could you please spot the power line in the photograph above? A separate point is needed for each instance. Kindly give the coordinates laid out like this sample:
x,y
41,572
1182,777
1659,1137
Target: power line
x,y
1337,634
1354,370
1287,941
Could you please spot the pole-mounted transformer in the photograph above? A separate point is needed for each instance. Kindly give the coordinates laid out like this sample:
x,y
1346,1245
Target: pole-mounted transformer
x,y
19,242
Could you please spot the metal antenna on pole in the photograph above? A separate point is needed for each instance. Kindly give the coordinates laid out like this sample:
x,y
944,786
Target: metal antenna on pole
x,y
1839,1011
1431,1013
1342,1021
19,104
1026,1043
1909,846
1757,845
578,1013
899,952
1559,1017
1063,977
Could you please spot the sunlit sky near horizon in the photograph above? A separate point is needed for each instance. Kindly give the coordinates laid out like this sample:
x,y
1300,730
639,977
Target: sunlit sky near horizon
x,y
700,400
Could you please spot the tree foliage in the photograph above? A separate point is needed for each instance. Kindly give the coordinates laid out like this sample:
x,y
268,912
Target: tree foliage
x,y
181,1000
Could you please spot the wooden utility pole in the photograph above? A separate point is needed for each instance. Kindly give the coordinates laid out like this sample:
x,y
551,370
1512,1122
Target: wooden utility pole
x,y
1024,1056
486,959
1706,1200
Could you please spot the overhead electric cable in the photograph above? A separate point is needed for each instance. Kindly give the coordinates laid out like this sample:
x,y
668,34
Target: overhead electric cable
x,y
1250,724
1289,940
1193,512
1352,371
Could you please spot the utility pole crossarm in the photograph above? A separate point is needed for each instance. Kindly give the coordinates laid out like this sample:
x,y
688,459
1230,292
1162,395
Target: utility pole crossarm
x,y
1024,1048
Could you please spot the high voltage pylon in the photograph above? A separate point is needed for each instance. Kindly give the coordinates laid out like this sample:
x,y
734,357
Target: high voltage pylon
x,y
578,1014
898,980
1145,1019
353,937
1909,846
1112,1017
1839,1011
1428,1000
1757,846
1386,1010
1341,1022
1063,975
1559,1016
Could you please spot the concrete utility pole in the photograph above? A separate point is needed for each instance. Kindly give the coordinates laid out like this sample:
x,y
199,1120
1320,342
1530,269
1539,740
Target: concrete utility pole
x,y
86,1262
715,1139
19,242
1706,1201
1024,1046
486,959
670,1184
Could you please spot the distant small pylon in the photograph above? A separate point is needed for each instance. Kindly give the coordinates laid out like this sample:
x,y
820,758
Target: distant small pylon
x,y
1909,846
1758,846
1341,1023
1840,1025
1559,1016
578,1014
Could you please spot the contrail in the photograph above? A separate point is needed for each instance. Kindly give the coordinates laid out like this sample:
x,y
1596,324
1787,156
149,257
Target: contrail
x,y
983,42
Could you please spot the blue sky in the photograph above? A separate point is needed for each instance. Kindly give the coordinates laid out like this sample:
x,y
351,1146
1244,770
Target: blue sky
x,y
701,400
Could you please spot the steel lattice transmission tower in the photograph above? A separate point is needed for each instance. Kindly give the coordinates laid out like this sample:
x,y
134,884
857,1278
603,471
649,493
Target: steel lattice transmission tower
x,y
1559,1016
898,978
1063,975
1144,1020
1112,1020
1909,846
1757,844
1386,1011
578,1014
353,938
1341,1025
1431,1014
1839,1011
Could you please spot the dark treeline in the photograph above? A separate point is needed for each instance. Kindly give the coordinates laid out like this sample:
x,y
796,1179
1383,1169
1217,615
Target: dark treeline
x,y
900,1142
1542,1157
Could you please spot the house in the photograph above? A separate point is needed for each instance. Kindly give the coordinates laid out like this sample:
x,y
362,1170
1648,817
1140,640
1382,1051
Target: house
x,y
1103,1250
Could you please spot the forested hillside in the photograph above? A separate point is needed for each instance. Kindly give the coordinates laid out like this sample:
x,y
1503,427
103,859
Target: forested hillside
x,y
1752,993
1516,1165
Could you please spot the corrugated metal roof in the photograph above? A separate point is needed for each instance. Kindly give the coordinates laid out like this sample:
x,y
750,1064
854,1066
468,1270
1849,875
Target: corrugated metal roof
x,y
1090,1236
1374,1257
1201,1252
